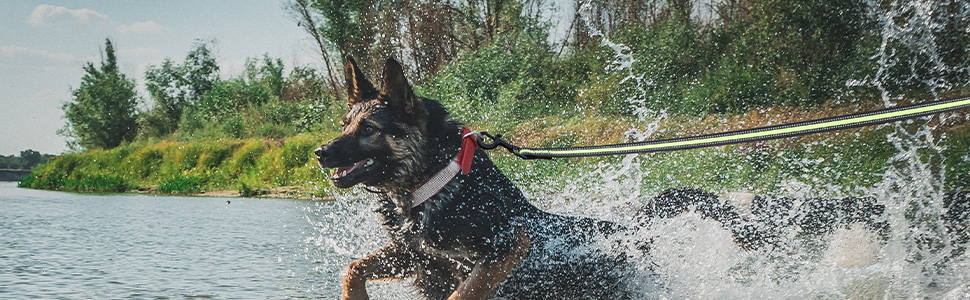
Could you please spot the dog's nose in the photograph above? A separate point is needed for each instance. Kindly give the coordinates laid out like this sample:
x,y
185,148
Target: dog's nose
x,y
320,152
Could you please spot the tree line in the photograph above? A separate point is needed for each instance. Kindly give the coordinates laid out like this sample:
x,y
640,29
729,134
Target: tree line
x,y
26,161
189,100
741,54
494,61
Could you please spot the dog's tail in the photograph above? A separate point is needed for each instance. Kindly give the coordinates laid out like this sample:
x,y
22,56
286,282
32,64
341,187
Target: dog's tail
x,y
764,223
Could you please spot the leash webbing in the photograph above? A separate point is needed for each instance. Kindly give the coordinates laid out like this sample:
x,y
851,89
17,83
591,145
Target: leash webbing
x,y
739,136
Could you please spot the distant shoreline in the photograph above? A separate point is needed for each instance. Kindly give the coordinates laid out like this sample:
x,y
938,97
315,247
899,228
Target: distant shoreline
x,y
13,175
274,193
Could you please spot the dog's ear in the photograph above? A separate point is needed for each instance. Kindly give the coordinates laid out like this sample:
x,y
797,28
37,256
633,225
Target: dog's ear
x,y
399,95
358,87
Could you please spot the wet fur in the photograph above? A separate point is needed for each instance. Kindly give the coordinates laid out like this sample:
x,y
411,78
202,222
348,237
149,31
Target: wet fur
x,y
481,238
477,238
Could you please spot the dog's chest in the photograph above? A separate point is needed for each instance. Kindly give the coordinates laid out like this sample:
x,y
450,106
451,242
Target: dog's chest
x,y
410,226
399,222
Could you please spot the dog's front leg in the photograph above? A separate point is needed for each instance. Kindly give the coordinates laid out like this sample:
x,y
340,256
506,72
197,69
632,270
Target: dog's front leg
x,y
489,272
391,261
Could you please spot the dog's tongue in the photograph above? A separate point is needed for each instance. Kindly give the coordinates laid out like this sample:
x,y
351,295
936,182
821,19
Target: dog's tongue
x,y
343,171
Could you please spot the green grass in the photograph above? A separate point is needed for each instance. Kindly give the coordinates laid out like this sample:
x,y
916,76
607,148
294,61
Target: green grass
x,y
249,166
842,162
183,184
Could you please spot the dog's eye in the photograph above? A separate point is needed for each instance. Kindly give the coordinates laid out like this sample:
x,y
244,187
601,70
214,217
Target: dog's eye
x,y
369,129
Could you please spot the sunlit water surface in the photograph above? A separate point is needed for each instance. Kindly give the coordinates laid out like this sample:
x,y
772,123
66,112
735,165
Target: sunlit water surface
x,y
56,245
67,246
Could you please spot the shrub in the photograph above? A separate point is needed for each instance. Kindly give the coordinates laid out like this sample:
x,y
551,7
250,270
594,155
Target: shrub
x,y
97,183
508,82
246,190
182,184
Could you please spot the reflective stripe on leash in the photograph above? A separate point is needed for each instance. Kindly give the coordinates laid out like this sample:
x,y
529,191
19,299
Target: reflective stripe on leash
x,y
740,136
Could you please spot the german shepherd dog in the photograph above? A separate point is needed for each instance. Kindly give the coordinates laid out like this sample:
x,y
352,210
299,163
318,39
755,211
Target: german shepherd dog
x,y
477,237
474,235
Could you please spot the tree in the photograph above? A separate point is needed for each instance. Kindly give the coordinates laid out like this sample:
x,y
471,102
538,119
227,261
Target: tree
x,y
304,83
173,87
268,74
201,69
164,86
425,34
30,158
300,10
103,113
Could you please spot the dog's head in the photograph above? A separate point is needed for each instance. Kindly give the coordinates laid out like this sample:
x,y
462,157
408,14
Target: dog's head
x,y
382,132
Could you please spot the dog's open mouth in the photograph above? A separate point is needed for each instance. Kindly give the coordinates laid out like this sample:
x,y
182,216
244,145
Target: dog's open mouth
x,y
360,167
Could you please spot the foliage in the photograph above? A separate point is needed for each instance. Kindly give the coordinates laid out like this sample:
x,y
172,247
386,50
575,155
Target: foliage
x,y
102,115
247,191
174,87
305,83
772,52
492,83
512,81
269,75
27,160
163,86
238,108
495,66
427,35
200,69
252,166
182,184
754,53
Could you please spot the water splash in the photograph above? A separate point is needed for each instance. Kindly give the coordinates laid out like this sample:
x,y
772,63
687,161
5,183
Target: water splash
x,y
916,258
698,258
344,231
623,61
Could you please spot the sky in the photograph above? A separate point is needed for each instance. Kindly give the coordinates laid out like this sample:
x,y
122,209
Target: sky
x,y
44,46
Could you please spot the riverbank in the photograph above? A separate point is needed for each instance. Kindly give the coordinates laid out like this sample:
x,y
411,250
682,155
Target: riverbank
x,y
286,168
296,193
250,167
275,193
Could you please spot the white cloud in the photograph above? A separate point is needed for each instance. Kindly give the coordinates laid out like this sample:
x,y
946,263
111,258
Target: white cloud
x,y
140,27
18,51
49,15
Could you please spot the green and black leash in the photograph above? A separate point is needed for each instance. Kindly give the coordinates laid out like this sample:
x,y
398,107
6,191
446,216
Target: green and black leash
x,y
739,136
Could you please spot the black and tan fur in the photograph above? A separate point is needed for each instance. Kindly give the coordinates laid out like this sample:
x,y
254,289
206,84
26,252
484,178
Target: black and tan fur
x,y
480,238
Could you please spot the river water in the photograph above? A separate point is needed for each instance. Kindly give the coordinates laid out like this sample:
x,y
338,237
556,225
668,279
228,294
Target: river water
x,y
57,245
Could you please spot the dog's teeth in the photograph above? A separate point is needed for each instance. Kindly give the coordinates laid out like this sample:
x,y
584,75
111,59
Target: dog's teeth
x,y
369,162
343,173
